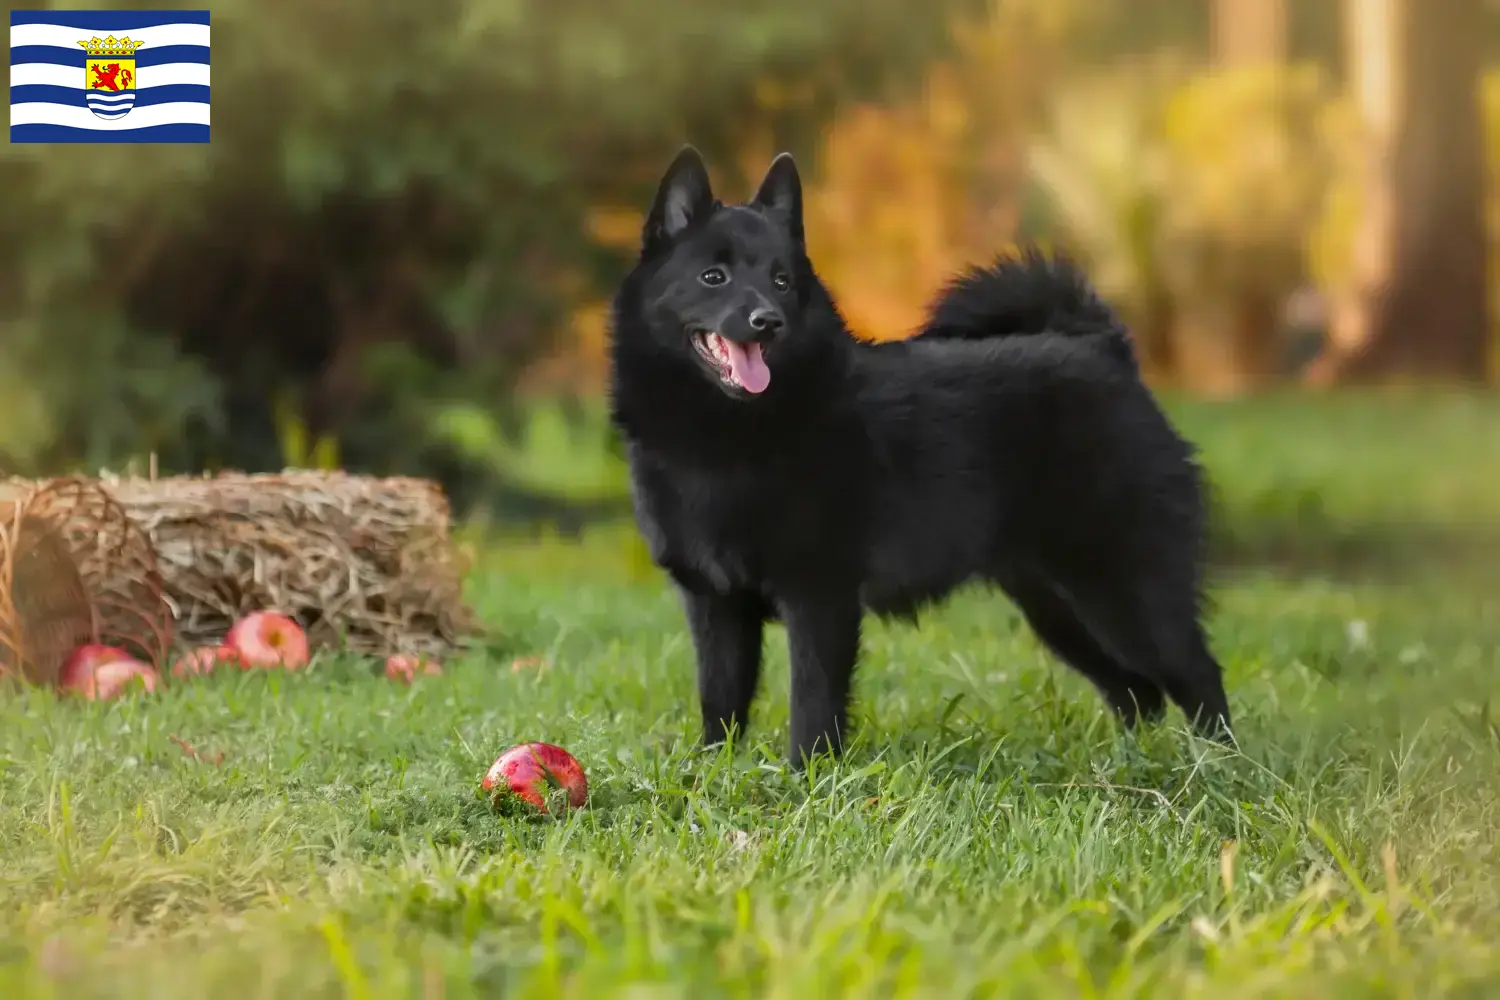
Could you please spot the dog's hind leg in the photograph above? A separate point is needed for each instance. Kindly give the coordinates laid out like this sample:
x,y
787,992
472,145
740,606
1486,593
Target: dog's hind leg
x,y
727,632
1197,686
1132,696
1148,618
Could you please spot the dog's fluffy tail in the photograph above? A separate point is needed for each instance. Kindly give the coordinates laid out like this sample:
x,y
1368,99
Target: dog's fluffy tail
x,y
1025,295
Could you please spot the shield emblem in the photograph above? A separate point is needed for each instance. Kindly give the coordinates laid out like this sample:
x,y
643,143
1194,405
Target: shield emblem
x,y
109,76
110,90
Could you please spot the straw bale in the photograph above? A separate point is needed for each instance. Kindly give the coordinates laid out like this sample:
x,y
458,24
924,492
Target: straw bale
x,y
361,562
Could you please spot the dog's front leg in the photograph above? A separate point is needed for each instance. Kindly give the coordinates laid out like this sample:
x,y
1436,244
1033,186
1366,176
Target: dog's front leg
x,y
727,630
823,636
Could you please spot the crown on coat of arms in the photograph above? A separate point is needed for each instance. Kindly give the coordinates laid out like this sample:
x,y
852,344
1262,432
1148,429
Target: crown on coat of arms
x,y
111,46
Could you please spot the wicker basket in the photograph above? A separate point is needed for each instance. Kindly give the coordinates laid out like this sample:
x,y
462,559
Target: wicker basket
x,y
74,568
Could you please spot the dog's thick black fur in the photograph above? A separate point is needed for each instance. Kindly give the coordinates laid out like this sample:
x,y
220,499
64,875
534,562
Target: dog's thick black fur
x,y
1011,441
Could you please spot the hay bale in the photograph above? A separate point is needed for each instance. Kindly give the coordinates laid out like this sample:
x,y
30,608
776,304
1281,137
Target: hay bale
x,y
74,568
361,562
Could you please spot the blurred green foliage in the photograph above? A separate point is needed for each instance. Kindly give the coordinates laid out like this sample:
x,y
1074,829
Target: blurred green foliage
x,y
392,211
566,450
399,212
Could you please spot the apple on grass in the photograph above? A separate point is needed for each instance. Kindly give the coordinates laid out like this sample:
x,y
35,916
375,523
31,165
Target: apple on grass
x,y
530,771
268,639
405,668
100,672
204,659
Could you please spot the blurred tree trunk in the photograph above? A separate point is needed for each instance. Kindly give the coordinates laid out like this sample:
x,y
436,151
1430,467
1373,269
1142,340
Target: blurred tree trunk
x,y
1246,32
1418,302
1229,341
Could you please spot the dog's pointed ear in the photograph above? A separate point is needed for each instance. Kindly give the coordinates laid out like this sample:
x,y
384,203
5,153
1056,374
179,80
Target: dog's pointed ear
x,y
781,192
683,197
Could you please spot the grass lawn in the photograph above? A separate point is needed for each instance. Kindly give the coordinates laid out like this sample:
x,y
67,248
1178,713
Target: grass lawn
x,y
990,834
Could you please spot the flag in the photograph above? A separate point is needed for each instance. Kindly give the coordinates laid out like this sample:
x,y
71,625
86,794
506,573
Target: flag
x,y
108,76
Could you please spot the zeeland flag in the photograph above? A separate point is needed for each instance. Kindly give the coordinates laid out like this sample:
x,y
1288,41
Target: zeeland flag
x,y
108,76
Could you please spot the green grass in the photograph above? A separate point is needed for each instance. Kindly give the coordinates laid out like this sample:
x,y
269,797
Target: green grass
x,y
990,834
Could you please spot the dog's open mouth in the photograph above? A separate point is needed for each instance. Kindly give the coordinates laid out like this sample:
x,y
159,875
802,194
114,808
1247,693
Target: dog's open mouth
x,y
738,365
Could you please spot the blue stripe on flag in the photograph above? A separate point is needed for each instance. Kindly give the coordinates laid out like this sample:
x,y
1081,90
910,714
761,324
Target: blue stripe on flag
x,y
62,133
169,94
108,20
160,56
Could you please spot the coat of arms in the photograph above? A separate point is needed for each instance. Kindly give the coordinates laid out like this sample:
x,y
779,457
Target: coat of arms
x,y
109,76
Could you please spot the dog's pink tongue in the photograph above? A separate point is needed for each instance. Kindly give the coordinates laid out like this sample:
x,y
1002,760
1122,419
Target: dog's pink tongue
x,y
747,366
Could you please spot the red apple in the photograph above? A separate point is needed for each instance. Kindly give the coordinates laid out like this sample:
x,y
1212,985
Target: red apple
x,y
526,772
115,677
99,672
405,669
267,639
203,660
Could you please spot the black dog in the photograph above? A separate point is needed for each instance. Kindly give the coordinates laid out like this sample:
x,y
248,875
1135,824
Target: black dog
x,y
783,470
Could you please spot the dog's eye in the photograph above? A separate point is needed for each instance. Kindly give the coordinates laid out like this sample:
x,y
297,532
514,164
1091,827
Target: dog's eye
x,y
782,281
713,277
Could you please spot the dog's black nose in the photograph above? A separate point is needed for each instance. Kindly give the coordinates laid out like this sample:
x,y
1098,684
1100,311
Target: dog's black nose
x,y
764,320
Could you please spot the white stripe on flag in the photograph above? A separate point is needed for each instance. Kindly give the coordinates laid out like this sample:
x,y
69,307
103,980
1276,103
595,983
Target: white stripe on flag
x,y
50,75
182,113
68,38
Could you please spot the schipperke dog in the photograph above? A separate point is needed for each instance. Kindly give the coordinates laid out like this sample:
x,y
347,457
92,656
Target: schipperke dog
x,y
782,469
